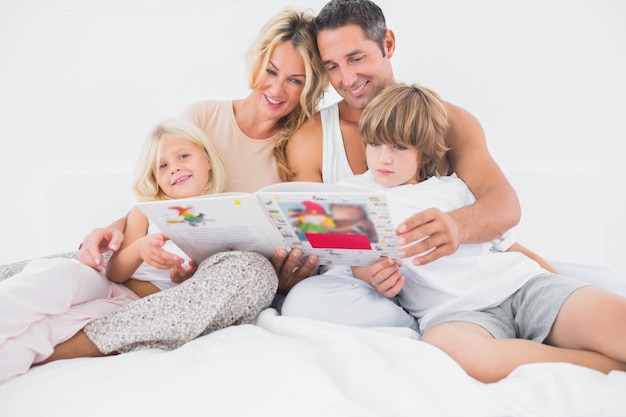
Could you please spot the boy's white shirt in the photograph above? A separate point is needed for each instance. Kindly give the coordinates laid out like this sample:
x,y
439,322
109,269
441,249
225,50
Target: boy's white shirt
x,y
476,276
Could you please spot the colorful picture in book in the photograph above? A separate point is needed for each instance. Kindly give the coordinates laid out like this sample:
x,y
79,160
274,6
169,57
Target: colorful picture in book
x,y
331,225
186,215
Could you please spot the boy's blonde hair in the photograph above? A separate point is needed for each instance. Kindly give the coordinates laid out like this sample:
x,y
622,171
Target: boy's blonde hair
x,y
295,26
145,184
410,115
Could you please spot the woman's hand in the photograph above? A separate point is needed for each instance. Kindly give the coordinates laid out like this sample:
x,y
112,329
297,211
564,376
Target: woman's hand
x,y
101,240
96,243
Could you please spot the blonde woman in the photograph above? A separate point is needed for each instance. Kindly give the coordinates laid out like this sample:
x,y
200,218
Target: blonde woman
x,y
286,80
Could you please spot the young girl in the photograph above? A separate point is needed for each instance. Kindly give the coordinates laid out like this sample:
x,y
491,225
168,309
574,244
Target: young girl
x,y
52,299
487,306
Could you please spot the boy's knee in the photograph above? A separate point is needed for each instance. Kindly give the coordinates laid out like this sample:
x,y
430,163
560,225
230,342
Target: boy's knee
x,y
298,300
473,352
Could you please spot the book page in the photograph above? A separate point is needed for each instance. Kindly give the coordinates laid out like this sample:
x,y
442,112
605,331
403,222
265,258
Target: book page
x,y
313,187
341,225
203,226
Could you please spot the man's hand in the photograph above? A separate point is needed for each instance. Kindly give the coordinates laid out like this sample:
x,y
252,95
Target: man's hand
x,y
96,243
291,269
430,234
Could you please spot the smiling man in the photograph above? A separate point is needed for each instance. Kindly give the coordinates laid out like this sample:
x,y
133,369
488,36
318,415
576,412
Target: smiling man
x,y
356,48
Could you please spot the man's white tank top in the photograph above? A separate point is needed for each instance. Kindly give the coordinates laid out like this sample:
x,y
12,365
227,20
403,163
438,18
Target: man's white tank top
x,y
335,164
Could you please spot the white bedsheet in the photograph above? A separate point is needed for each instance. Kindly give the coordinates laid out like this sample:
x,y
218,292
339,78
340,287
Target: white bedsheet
x,y
285,366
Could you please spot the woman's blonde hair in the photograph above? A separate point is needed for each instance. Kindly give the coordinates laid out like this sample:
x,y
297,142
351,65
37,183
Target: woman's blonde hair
x,y
145,183
410,115
295,26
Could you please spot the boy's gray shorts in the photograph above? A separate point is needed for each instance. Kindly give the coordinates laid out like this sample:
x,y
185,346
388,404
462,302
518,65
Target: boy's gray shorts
x,y
528,313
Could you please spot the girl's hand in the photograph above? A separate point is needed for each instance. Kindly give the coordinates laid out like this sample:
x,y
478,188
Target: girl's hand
x,y
151,251
180,273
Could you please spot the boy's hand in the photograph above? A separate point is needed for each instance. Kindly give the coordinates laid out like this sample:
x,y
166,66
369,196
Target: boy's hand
x,y
385,277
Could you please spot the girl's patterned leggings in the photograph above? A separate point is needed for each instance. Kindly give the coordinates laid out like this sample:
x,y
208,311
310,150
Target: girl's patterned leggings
x,y
228,288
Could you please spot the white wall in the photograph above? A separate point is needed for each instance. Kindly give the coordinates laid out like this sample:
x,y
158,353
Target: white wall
x,y
83,81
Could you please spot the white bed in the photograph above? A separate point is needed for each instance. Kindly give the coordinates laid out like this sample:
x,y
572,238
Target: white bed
x,y
285,366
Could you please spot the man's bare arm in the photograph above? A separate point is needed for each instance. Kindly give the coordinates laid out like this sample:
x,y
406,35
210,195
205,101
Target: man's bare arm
x,y
497,207
495,211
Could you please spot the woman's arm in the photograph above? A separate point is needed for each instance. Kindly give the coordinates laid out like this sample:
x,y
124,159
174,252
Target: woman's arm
x,y
101,240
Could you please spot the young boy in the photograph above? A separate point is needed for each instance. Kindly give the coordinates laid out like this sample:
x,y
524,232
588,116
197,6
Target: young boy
x,y
490,309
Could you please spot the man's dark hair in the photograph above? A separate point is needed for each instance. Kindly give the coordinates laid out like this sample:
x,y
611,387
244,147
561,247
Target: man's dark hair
x,y
363,13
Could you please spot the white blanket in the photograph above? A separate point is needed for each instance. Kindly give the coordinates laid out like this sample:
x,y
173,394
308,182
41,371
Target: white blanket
x,y
285,366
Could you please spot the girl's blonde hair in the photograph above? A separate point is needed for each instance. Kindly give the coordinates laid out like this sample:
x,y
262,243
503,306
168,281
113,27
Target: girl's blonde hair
x,y
295,26
145,183
410,115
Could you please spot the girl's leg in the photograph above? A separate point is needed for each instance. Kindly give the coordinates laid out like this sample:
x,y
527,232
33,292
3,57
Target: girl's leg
x,y
78,346
228,288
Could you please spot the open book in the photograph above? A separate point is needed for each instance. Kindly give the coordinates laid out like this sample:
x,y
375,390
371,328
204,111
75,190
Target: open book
x,y
342,225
